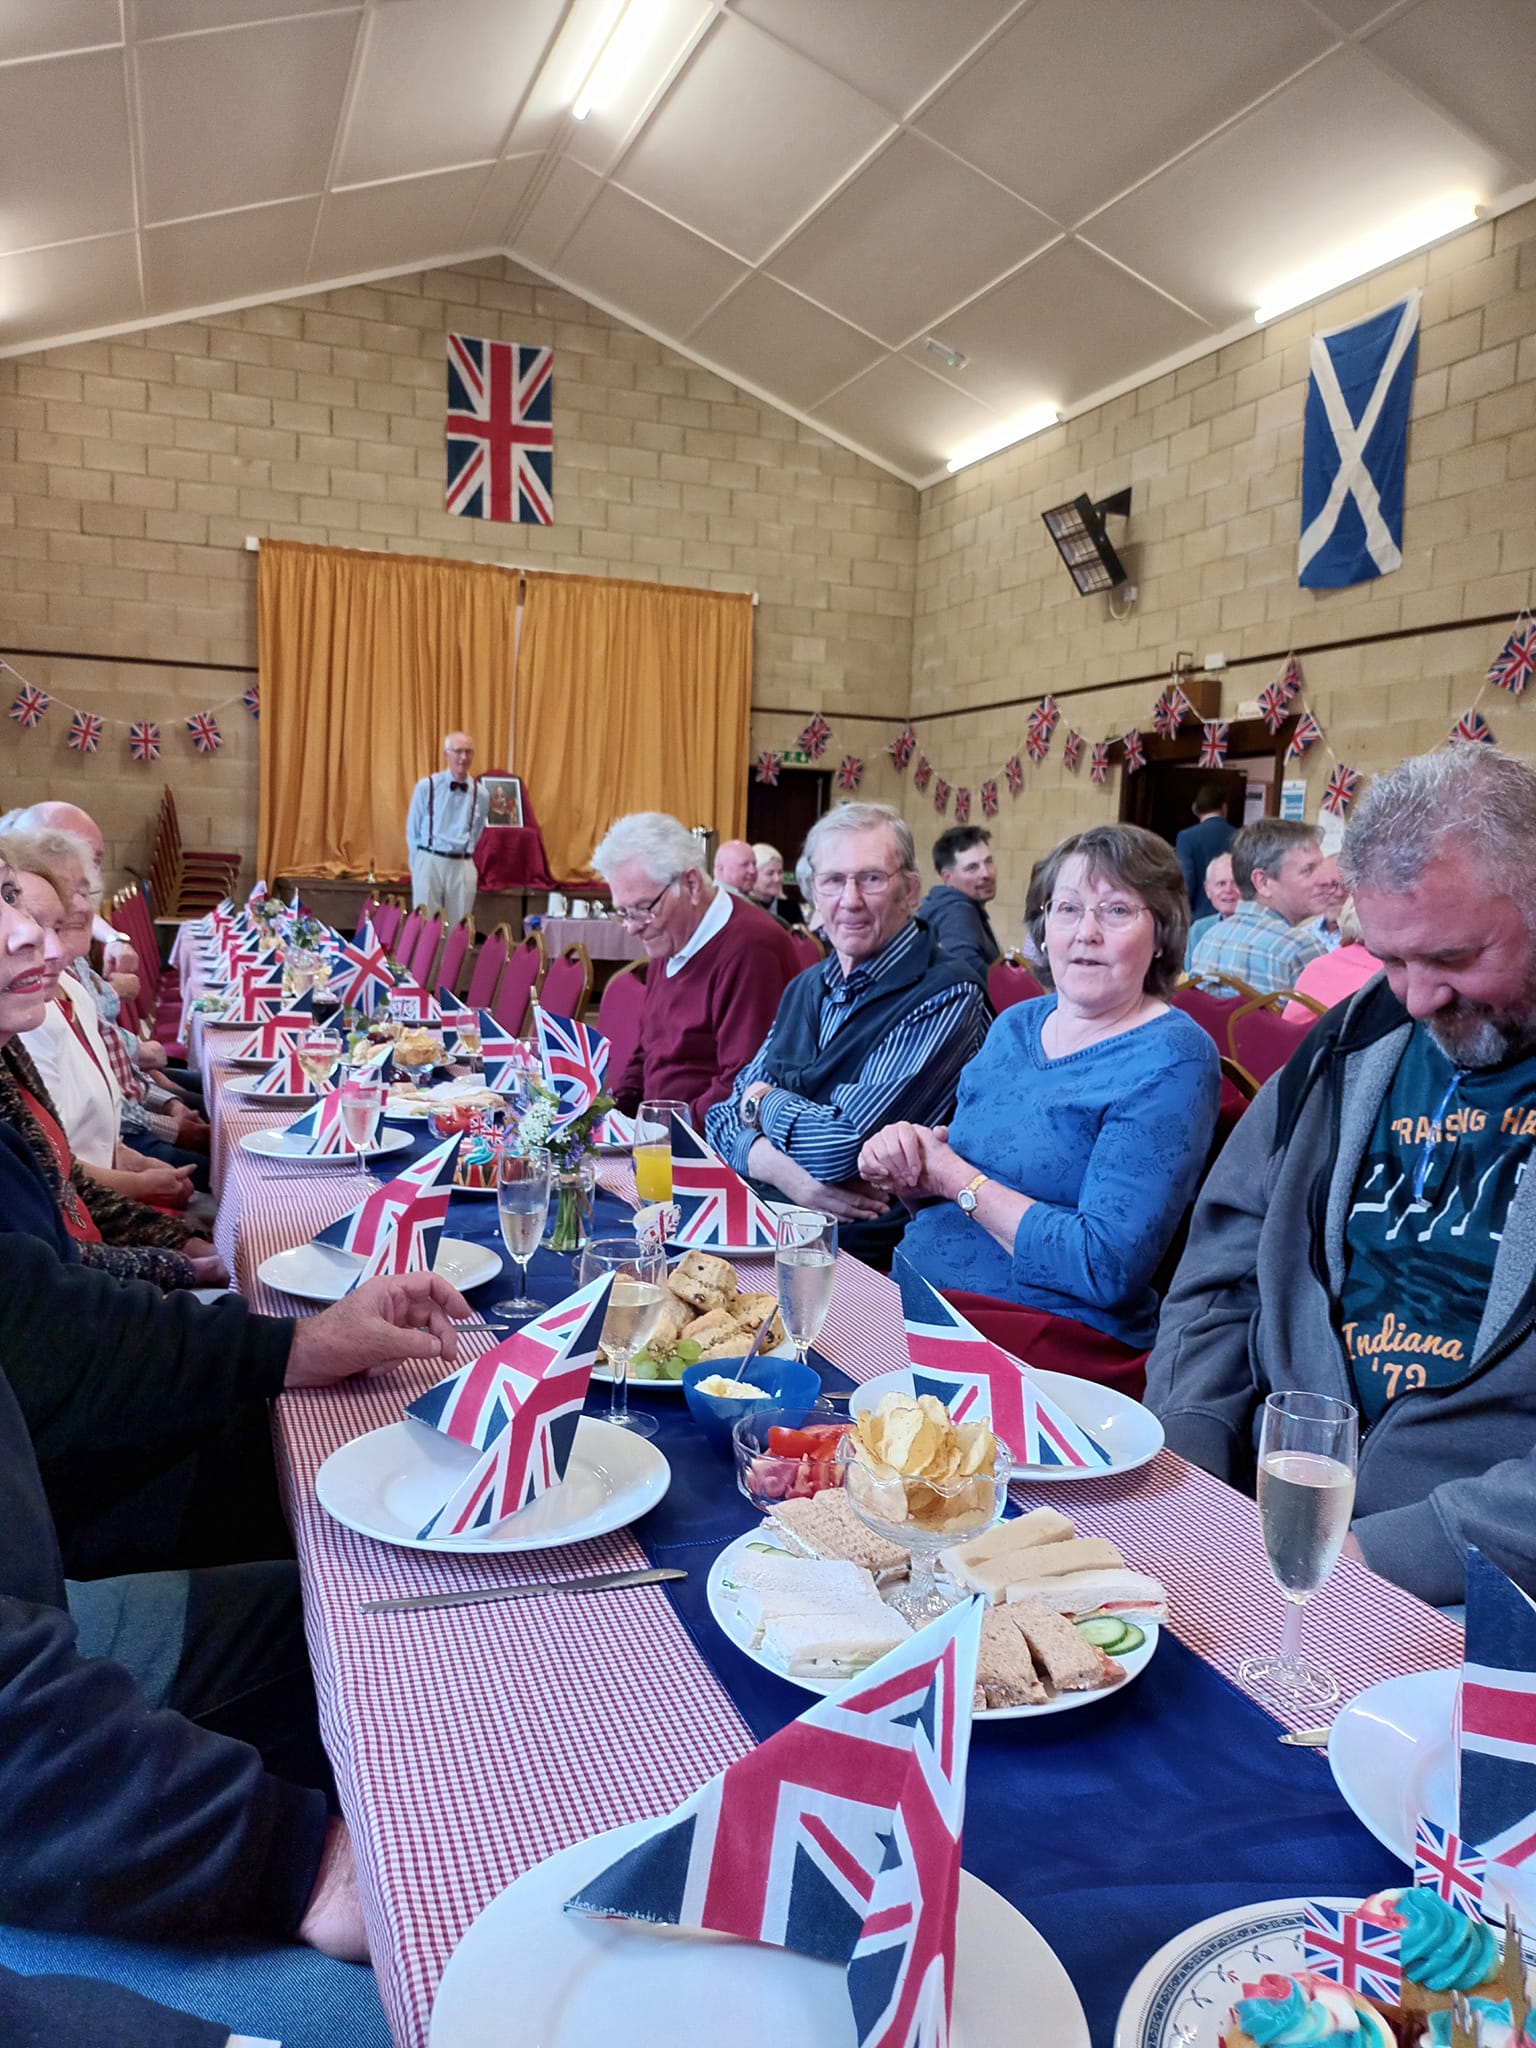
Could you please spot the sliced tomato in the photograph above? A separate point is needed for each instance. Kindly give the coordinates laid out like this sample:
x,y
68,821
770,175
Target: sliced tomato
x,y
817,1440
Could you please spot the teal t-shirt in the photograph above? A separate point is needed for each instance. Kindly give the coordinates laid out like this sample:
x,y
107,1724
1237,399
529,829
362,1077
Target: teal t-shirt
x,y
1434,1188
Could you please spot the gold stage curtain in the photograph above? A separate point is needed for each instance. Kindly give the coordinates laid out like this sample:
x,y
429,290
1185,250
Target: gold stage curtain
x,y
366,661
631,697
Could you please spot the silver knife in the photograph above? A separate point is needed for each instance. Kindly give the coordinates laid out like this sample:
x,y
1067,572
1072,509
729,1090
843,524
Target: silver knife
x,y
600,1582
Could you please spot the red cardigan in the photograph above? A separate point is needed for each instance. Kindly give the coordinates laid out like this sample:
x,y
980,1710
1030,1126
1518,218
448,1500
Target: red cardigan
x,y
700,1026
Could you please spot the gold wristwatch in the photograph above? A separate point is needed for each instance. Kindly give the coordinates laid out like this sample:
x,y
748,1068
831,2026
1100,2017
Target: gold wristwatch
x,y
965,1201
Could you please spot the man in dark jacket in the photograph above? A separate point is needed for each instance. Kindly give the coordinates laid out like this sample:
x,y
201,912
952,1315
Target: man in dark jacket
x,y
955,910
1198,845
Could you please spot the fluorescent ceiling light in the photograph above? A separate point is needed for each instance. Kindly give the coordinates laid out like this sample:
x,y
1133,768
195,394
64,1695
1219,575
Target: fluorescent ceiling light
x,y
1399,238
1035,421
616,59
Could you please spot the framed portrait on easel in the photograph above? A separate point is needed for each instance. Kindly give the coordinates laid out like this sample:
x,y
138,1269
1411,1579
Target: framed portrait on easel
x,y
506,798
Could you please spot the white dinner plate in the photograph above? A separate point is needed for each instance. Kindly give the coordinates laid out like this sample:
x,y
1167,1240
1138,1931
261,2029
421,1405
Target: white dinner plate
x,y
722,1605
275,1144
1181,1997
249,1060
319,1272
391,1482
247,1092
1130,1433
528,1975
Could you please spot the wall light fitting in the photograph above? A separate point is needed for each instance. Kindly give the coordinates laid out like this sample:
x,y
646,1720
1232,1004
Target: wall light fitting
x,y
1081,541
1035,421
1386,244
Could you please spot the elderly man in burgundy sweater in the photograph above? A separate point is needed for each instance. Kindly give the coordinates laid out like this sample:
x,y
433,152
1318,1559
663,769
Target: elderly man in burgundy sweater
x,y
718,966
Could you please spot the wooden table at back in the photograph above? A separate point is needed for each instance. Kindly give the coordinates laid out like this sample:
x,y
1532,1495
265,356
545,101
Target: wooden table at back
x,y
470,1745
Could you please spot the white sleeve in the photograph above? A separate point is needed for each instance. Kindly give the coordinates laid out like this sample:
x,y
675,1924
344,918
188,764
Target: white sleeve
x,y
416,816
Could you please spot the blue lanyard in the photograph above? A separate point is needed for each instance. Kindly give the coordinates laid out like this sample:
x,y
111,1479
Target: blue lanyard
x,y
1427,1153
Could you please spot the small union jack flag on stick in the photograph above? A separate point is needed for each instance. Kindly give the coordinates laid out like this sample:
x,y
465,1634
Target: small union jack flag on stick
x,y
941,795
251,699
1307,734
1013,771
768,766
29,704
989,798
575,1062
1347,1950
900,749
1340,793
850,773
1135,752
144,741
962,807
922,774
1444,1864
813,737
1072,752
1473,728
204,728
1515,664
1098,766
1215,738
85,730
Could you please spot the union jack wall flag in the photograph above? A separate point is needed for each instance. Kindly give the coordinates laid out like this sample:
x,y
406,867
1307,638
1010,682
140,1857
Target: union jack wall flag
x,y
1340,793
1498,1717
812,738
850,773
1515,663
1307,734
1072,752
900,748
363,1229
575,1061
941,795
1347,1950
360,977
204,728
716,1206
1443,1863
1474,728
501,436
144,741
962,807
1215,738
1013,770
85,730
922,774
29,704
1135,753
989,798
768,766
839,1838
1098,767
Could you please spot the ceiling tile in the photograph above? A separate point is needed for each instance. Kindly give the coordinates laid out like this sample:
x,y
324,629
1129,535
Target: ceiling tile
x,y
783,344
749,140
259,253
637,260
234,119
1350,16
439,83
197,17
558,205
66,120
506,186
1357,149
389,227
915,233
896,51
1107,105
40,28
46,293
905,417
1443,46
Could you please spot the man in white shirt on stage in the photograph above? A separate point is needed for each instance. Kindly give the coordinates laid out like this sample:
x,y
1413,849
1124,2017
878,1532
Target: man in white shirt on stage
x,y
446,818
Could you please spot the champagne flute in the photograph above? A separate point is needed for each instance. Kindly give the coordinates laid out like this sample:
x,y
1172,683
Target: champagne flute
x,y
652,1148
634,1311
522,1203
1306,1495
362,1104
319,1054
805,1270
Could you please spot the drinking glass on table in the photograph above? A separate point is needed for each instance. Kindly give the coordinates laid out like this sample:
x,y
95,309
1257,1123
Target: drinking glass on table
x,y
652,1148
319,1055
805,1270
362,1104
468,1036
522,1204
1306,1496
634,1312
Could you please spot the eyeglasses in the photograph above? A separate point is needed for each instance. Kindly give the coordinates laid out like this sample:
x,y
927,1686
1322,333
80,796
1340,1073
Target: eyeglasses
x,y
642,913
868,882
1111,917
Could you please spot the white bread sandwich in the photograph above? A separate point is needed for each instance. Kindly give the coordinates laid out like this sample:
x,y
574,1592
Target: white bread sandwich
x,y
1005,1671
1069,1662
1136,1595
832,1646
759,1569
1033,1565
826,1526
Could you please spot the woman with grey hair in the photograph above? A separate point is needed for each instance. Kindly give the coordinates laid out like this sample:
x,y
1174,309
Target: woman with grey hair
x,y
1082,1125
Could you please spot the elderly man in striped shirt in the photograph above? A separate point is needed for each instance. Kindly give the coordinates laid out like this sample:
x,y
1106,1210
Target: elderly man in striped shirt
x,y
879,1030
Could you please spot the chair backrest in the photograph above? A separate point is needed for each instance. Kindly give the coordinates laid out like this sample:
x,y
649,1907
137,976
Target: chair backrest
x,y
489,962
1259,1040
618,1015
366,915
130,913
404,948
1211,1012
1010,982
424,959
522,974
386,924
808,948
567,983
455,950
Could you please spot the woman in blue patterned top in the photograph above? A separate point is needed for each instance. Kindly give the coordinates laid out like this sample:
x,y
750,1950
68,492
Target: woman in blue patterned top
x,y
1084,1122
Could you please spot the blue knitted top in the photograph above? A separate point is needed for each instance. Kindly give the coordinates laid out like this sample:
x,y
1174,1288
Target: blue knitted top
x,y
1109,1141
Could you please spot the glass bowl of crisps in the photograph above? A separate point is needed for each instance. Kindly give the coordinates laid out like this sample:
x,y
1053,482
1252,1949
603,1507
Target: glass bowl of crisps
x,y
918,1478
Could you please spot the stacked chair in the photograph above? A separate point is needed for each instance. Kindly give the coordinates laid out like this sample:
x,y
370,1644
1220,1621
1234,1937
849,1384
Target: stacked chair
x,y
185,884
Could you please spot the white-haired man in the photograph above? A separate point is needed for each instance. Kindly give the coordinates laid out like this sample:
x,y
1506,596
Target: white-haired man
x,y
442,829
1370,1228
736,867
877,1033
718,965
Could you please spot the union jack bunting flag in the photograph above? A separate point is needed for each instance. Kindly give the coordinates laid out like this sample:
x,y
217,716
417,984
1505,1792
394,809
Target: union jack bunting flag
x,y
941,795
1166,716
519,1405
850,772
1498,1717
900,748
507,1060
974,1377
989,798
1345,1949
1273,707
1072,752
251,699
1045,715
839,1837
204,728
575,1063
1340,793
1473,728
321,1132
501,435
85,730
360,976
962,807
1288,682
715,1206
29,704
1098,766
922,774
286,1077
363,1229
1215,738
1013,771
1513,666
144,741
1443,1863
1135,753
1307,734
812,738
767,766
1037,744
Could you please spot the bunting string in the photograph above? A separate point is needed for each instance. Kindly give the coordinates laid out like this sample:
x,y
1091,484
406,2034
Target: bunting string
x,y
31,704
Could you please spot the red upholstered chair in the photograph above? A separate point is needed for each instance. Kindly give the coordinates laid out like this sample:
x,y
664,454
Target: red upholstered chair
x,y
1259,1039
450,969
522,974
405,939
424,959
370,904
567,983
809,950
485,977
1009,981
1212,1013
618,1015
386,923
1054,1343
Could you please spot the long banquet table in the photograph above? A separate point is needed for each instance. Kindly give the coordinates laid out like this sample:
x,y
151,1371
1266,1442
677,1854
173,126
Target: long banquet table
x,y
469,1744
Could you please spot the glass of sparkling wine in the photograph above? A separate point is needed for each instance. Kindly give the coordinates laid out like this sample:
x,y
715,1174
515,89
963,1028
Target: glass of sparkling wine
x,y
805,1269
1306,1496
634,1311
652,1149
522,1204
319,1054
362,1104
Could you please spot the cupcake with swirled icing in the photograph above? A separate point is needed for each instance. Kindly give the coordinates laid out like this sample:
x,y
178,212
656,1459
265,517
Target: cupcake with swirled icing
x,y
1292,2012
1494,2021
1441,1950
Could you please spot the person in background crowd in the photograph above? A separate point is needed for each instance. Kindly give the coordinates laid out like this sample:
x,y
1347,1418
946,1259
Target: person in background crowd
x,y
1369,1230
768,890
1198,845
955,909
1333,977
1277,863
118,956
877,1032
1222,891
810,909
736,867
1084,1122
442,829
718,965
1332,893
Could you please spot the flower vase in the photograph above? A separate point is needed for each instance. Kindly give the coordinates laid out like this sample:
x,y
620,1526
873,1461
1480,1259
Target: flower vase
x,y
570,1205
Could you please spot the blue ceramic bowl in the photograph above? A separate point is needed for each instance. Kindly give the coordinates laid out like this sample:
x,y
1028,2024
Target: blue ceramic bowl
x,y
785,1382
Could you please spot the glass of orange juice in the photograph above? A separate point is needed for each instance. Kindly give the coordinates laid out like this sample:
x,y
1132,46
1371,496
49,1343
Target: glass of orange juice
x,y
653,1148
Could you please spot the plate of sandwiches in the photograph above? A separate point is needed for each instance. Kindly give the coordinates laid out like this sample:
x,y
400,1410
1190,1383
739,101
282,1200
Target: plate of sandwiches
x,y
708,1317
1131,1434
802,1597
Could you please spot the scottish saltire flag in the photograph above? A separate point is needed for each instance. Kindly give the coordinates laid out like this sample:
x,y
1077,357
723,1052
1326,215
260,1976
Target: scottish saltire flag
x,y
839,1837
507,1059
29,704
360,978
1443,1863
322,1129
501,436
1497,1717
973,1377
714,1204
1472,728
1512,667
1347,1950
519,1405
364,1228
286,1077
85,730
144,740
1355,447
1340,793
204,728
1135,752
575,1061
1215,738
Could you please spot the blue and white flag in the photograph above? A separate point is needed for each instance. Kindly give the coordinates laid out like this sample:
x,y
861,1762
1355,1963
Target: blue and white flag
x,y
1355,449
